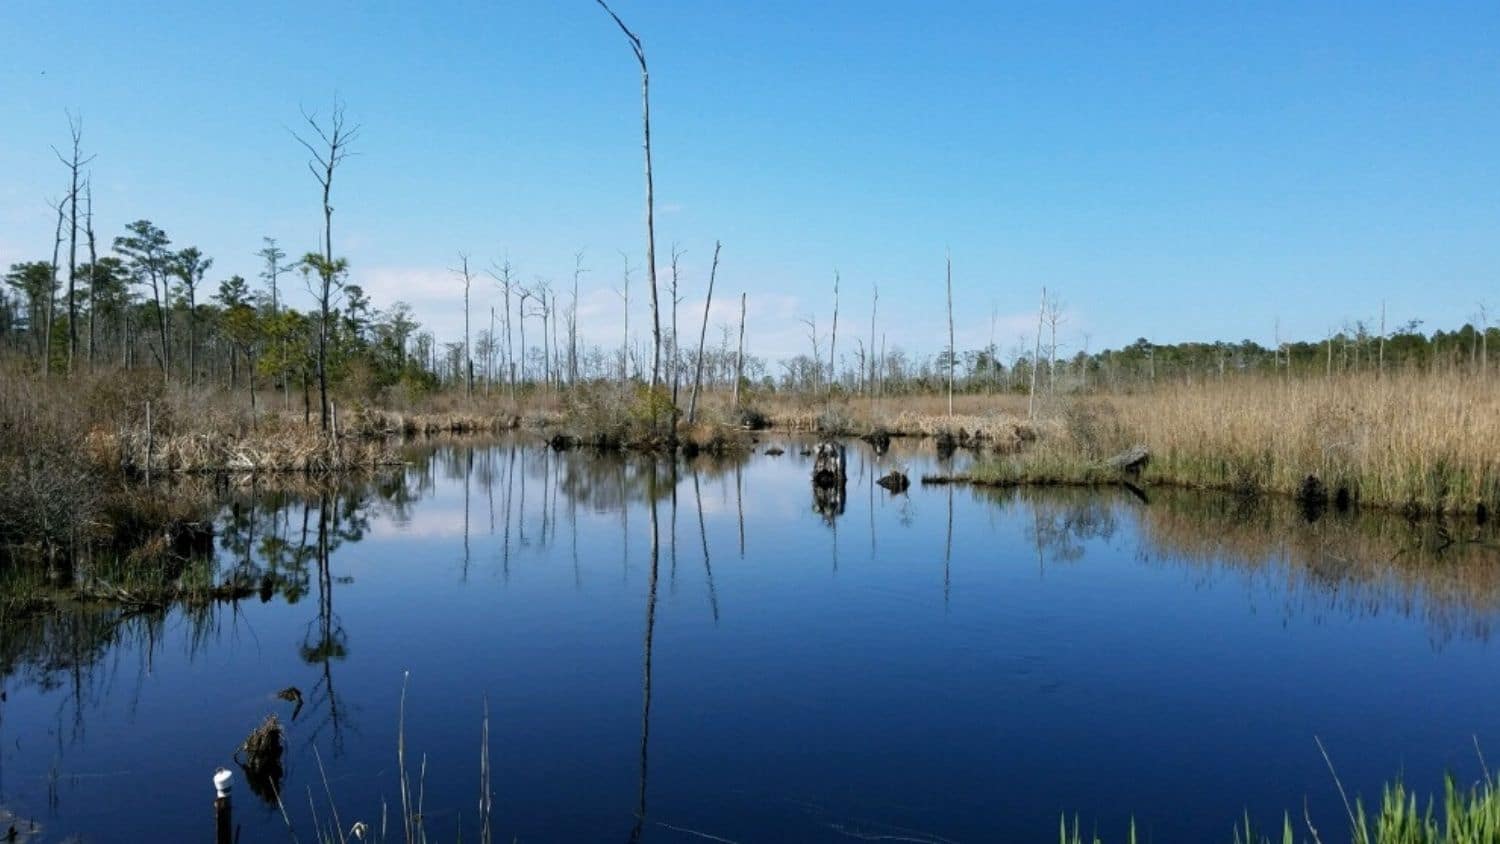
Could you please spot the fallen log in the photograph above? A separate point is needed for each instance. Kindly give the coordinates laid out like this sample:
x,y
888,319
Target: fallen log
x,y
1131,461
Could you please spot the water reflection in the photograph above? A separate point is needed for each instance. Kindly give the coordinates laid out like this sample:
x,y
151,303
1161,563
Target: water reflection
x,y
282,538
528,539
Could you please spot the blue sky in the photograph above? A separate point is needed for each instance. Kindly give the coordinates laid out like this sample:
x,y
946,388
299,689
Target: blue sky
x,y
1175,171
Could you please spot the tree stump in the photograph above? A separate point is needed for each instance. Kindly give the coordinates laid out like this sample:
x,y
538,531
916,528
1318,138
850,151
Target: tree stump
x,y
829,462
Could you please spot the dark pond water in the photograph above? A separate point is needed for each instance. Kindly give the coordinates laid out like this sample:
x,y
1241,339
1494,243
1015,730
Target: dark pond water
x,y
707,657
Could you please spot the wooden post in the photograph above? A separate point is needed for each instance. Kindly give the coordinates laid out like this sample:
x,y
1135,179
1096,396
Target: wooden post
x,y
223,826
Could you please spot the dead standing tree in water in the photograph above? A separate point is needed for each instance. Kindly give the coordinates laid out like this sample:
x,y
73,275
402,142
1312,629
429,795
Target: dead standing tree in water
x,y
335,139
640,57
703,335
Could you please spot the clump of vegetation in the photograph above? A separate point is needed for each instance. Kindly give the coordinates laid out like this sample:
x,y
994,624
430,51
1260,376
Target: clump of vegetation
x,y
1468,817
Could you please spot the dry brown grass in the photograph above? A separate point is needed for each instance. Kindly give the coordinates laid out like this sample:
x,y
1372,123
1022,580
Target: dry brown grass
x,y
1416,441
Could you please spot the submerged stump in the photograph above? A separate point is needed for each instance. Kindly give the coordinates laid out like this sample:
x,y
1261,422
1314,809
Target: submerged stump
x,y
895,481
260,758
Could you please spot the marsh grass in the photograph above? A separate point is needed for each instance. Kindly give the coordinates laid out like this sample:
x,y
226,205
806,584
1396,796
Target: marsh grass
x,y
1468,816
1416,442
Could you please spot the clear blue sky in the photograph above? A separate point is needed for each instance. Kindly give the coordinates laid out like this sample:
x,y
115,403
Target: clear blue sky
x,y
1176,171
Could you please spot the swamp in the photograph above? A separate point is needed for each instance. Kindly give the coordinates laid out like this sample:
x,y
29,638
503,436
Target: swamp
x,y
582,645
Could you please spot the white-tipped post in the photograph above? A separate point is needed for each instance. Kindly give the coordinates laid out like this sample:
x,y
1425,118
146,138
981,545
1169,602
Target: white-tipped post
x,y
223,782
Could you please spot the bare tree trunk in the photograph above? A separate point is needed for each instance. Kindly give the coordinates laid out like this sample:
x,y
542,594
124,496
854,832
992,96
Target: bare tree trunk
x,y
52,295
952,353
88,187
739,357
833,341
672,360
702,336
521,319
640,56
463,270
573,320
1036,357
874,309
74,163
625,343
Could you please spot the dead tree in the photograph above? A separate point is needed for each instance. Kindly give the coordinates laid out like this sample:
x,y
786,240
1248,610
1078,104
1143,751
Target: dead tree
x,y
1054,318
640,57
952,351
506,283
874,360
542,293
1036,357
833,340
578,270
52,292
88,191
739,357
673,359
463,270
74,163
521,319
335,139
624,293
703,335
817,356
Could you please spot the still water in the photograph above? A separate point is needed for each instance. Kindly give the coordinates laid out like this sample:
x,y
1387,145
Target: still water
x,y
701,654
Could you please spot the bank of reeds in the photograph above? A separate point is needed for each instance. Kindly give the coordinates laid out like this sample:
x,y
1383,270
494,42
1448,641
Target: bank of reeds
x,y
282,448
1419,443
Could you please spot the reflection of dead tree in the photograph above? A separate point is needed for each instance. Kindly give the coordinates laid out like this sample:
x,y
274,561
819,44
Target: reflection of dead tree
x,y
672,535
713,595
330,642
739,505
468,472
948,552
640,811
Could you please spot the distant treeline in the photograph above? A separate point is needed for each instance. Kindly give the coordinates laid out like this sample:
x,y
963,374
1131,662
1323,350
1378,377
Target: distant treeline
x,y
149,306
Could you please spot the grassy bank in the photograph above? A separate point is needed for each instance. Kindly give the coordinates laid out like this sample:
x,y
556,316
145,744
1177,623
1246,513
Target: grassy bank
x,y
1419,443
